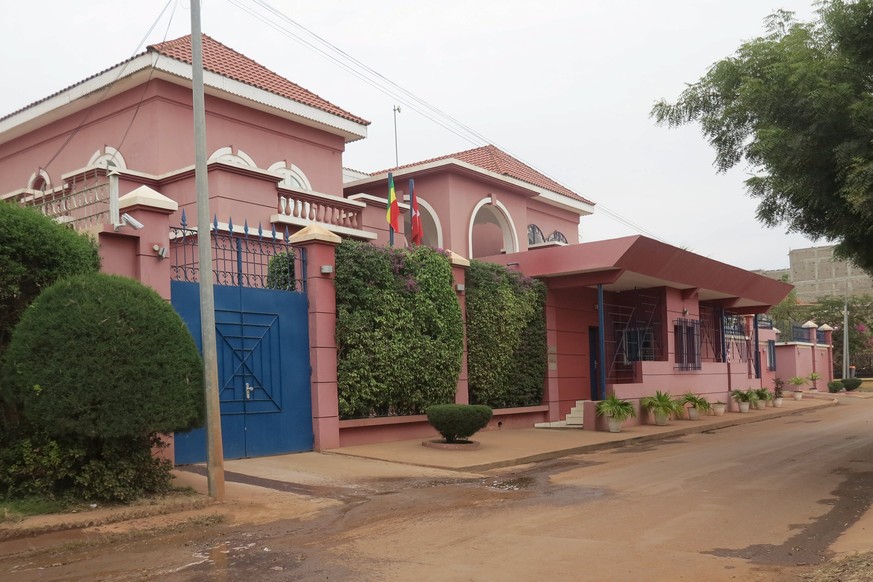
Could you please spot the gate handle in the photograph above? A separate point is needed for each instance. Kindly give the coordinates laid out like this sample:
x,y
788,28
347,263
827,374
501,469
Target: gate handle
x,y
249,390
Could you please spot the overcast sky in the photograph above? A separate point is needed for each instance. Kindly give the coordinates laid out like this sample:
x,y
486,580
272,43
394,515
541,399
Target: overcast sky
x,y
564,85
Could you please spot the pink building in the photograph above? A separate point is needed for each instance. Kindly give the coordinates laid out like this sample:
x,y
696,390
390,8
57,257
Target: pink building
x,y
628,315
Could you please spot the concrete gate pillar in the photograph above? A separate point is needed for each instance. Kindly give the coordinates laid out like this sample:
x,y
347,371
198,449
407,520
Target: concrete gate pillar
x,y
320,247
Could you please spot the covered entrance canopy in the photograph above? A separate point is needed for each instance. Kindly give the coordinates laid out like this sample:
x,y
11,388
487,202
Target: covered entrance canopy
x,y
638,262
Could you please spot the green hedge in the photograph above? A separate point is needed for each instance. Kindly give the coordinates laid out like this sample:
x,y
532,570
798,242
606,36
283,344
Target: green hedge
x,y
506,337
35,251
399,330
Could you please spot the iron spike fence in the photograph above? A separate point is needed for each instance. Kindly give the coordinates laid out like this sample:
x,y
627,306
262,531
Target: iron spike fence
x,y
258,259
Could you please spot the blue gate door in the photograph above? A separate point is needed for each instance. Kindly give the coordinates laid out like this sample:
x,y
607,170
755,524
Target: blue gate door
x,y
262,342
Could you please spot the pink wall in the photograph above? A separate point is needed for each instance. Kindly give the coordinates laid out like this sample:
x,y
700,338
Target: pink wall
x,y
453,196
160,139
569,315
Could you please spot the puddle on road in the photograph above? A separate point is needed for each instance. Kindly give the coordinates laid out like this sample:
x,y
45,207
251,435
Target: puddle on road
x,y
514,484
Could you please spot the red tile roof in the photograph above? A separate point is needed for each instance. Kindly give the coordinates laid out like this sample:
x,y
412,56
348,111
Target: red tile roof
x,y
495,160
226,62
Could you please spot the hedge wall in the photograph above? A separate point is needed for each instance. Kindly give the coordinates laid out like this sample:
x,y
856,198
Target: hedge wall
x,y
506,337
399,330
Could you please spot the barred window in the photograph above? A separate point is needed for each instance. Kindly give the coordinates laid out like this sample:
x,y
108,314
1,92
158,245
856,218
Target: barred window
x,y
771,355
687,336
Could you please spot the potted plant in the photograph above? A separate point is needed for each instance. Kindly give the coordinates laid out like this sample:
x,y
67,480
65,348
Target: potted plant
x,y
778,387
798,382
661,405
812,378
742,398
763,397
718,408
695,404
616,411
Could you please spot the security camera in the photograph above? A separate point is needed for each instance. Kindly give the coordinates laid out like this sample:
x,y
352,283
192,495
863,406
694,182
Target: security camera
x,y
131,221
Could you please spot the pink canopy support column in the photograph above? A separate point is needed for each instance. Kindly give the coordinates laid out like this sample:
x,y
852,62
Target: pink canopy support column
x,y
320,247
459,273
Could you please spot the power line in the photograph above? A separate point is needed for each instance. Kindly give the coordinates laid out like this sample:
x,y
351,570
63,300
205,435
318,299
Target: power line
x,y
108,88
385,85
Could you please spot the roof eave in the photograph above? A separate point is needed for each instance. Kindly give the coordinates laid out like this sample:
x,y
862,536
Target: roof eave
x,y
119,78
547,196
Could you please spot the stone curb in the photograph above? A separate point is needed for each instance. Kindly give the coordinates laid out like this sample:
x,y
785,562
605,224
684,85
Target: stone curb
x,y
107,516
692,428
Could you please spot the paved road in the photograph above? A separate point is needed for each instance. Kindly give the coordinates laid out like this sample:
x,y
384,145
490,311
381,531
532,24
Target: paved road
x,y
762,501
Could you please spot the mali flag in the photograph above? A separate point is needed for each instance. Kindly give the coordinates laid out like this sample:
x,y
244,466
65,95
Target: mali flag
x,y
393,214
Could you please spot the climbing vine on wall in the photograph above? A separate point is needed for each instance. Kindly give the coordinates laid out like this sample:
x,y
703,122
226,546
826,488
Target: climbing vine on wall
x,y
506,337
399,330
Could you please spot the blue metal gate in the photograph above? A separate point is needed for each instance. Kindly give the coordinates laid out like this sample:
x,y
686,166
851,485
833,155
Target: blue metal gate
x,y
262,342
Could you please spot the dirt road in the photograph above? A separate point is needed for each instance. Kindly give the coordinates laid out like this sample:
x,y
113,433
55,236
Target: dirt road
x,y
764,501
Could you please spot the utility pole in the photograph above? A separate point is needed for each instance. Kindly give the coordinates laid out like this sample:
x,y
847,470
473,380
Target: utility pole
x,y
846,332
214,448
396,150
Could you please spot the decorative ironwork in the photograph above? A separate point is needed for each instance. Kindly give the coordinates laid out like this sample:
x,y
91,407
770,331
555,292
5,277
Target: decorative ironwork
x,y
687,340
534,235
247,259
557,236
83,202
633,334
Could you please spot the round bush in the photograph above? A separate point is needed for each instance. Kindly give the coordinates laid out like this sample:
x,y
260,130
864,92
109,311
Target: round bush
x,y
35,251
852,383
100,356
456,422
835,386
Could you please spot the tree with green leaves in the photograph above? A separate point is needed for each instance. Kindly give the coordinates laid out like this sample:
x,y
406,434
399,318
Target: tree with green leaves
x,y
796,105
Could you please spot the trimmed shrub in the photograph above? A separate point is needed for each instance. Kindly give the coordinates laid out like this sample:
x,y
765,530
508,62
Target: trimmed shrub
x,y
852,383
506,337
280,272
399,330
457,422
35,251
835,386
95,368
101,356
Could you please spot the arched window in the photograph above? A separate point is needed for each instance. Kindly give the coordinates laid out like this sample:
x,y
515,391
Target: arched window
x,y
108,157
292,176
492,231
227,155
534,235
39,181
557,236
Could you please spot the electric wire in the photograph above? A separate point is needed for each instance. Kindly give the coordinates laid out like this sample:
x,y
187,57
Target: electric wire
x,y
145,85
388,87
106,89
